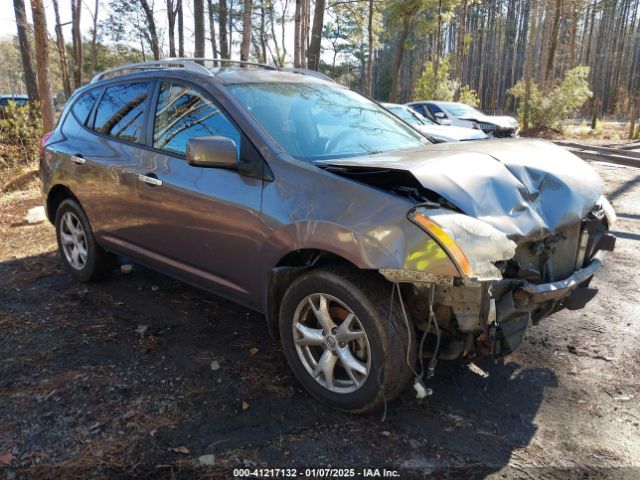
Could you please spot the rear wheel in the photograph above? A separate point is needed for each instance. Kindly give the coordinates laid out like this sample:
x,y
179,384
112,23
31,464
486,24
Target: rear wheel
x,y
80,253
341,341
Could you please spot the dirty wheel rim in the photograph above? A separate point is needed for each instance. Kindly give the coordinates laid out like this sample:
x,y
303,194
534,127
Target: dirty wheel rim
x,y
73,240
331,343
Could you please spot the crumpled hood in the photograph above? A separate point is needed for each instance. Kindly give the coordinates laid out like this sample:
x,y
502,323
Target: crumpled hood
x,y
524,188
451,133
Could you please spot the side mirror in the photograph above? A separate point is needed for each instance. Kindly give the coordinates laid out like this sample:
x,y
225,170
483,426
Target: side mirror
x,y
220,152
440,115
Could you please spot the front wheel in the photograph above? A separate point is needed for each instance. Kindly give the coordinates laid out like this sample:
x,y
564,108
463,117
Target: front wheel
x,y
342,342
80,253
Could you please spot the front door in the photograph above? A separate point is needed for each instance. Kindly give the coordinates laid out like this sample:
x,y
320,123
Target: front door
x,y
200,224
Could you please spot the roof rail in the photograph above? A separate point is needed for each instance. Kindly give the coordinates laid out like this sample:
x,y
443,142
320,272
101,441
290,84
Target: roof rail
x,y
187,64
195,65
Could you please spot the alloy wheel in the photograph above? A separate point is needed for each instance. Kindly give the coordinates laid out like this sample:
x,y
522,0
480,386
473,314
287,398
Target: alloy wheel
x,y
73,240
331,343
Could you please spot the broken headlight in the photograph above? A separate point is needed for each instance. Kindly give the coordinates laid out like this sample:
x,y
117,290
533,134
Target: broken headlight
x,y
473,245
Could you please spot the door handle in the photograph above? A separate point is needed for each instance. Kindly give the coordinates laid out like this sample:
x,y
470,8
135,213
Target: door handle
x,y
150,179
78,158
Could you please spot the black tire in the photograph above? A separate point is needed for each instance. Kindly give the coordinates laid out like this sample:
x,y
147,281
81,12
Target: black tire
x,y
368,296
98,263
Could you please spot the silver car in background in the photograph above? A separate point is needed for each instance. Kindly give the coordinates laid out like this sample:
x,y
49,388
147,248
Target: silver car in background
x,y
464,115
431,130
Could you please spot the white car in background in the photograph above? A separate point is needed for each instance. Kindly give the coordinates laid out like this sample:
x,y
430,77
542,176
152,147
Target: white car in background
x,y
430,129
464,115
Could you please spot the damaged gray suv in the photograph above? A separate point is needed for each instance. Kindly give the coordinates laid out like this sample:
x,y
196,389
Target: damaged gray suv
x,y
367,247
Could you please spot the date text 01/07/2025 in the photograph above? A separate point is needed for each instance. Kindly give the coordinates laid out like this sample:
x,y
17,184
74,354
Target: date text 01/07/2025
x,y
315,473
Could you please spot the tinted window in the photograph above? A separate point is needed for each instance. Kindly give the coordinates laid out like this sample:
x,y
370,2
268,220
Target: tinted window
x,y
121,111
433,108
183,113
82,107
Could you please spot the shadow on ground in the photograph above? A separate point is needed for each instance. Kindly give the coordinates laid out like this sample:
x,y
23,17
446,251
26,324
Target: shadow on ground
x,y
141,374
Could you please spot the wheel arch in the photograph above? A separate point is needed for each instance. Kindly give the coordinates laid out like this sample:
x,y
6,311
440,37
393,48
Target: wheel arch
x,y
288,268
58,194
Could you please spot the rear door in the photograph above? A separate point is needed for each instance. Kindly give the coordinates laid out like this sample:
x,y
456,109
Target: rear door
x,y
199,224
100,155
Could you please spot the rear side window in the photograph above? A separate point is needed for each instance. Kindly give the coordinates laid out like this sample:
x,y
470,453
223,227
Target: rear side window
x,y
182,113
120,113
433,108
83,105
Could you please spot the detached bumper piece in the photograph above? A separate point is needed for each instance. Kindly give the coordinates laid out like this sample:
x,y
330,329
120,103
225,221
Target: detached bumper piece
x,y
528,294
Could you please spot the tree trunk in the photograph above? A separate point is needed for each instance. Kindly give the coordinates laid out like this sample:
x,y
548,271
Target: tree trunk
x,y
198,28
151,27
94,38
297,34
62,52
42,62
572,35
313,55
222,24
634,115
462,19
180,29
554,42
369,79
76,9
528,66
171,20
246,32
25,50
438,41
263,33
282,30
397,62
212,29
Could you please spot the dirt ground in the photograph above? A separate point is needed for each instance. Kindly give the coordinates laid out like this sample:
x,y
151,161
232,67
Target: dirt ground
x,y
142,375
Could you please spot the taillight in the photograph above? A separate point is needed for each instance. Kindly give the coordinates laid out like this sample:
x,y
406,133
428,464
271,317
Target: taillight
x,y
45,138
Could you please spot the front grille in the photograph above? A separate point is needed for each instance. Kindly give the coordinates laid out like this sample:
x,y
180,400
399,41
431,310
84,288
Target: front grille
x,y
487,127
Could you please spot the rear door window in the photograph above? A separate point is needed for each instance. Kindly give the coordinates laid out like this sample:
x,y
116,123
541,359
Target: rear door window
x,y
184,112
84,104
120,113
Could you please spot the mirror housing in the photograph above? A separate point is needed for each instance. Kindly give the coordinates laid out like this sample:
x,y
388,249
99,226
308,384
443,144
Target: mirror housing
x,y
212,152
440,115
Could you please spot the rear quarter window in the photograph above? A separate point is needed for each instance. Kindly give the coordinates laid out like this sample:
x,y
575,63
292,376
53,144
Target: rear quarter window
x,y
83,105
120,113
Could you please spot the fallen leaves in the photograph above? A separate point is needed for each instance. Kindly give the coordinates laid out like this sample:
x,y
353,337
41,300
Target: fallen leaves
x,y
245,406
182,450
6,458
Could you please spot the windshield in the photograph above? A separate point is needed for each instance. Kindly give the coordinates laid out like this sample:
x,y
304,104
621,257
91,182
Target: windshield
x,y
461,110
410,116
317,121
